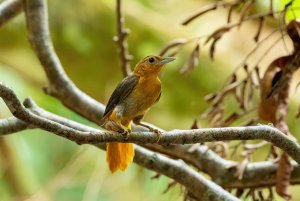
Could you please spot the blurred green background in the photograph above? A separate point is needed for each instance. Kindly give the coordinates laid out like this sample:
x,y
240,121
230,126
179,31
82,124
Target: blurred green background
x,y
36,165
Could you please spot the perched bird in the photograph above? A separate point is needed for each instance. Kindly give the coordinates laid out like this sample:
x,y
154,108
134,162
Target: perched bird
x,y
131,99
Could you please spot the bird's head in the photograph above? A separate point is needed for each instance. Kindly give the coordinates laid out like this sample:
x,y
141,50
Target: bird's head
x,y
151,65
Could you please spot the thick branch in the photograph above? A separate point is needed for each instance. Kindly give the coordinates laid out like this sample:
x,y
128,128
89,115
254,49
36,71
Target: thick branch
x,y
61,86
33,107
267,133
9,9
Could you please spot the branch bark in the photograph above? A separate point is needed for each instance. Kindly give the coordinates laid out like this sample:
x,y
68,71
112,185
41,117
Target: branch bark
x,y
12,125
9,9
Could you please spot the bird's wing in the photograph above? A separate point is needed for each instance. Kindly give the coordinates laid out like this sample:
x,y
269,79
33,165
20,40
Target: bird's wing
x,y
120,93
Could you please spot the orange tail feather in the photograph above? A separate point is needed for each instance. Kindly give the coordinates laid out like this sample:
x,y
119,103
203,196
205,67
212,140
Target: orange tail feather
x,y
119,155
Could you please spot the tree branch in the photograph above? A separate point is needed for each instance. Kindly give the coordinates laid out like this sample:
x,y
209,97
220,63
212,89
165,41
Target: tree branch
x,y
12,125
60,86
200,187
222,171
9,9
267,133
120,39
257,174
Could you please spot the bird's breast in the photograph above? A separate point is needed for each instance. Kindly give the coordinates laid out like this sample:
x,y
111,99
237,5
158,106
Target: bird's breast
x,y
143,96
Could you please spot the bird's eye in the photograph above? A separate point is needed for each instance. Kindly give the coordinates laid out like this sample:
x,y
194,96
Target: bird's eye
x,y
151,60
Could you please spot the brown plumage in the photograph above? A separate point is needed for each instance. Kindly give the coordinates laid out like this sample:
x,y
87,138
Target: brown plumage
x,y
129,102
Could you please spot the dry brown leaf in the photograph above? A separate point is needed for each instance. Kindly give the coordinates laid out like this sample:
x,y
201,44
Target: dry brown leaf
x,y
245,11
260,26
217,34
231,9
271,194
221,148
260,194
210,97
237,95
255,146
293,30
216,109
254,80
195,124
257,74
193,148
241,168
243,103
248,193
283,175
227,89
173,53
253,195
200,12
208,8
230,119
210,111
239,192
245,67
213,48
156,176
233,78
192,62
173,44
298,113
171,184
268,105
273,153
216,120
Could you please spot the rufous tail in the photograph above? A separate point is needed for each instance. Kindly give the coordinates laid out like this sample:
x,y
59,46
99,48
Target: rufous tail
x,y
119,155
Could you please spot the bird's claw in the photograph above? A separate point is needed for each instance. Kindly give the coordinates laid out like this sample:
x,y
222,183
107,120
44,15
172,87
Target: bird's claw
x,y
157,133
126,133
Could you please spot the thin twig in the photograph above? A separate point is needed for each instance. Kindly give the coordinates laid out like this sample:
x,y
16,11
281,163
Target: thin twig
x,y
120,39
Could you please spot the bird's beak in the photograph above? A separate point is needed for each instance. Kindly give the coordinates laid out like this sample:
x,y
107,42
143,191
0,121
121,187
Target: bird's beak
x,y
166,60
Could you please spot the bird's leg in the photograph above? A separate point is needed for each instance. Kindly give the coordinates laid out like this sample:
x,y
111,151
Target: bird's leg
x,y
138,121
126,124
118,127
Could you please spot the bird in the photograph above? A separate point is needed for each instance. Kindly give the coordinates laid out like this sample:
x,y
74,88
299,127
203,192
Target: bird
x,y
129,102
